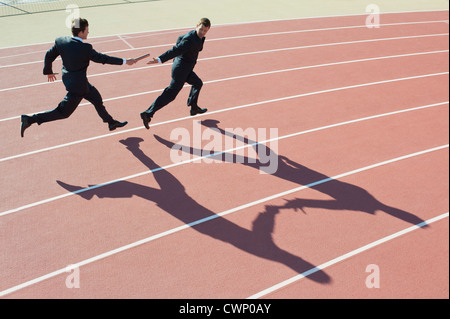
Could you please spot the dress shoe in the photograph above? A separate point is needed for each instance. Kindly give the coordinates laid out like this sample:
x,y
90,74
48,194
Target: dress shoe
x,y
26,123
197,110
146,118
112,126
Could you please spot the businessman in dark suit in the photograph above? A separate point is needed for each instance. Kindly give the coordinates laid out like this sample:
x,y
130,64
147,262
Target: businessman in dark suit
x,y
185,54
75,55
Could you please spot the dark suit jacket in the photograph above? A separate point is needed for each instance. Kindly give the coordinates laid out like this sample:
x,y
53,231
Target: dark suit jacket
x,y
75,57
185,51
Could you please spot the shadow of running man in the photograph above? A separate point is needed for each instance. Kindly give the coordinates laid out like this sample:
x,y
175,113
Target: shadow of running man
x,y
344,196
172,198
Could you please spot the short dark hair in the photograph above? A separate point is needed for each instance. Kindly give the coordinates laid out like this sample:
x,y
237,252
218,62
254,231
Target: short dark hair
x,y
79,25
205,22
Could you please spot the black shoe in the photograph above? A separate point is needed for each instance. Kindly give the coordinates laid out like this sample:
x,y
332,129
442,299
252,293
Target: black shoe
x,y
112,126
146,118
26,123
196,110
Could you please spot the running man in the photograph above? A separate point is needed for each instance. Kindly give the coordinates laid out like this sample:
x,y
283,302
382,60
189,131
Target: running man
x,y
75,55
185,54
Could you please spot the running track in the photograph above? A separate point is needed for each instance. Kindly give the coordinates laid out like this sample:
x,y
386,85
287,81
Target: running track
x,y
361,179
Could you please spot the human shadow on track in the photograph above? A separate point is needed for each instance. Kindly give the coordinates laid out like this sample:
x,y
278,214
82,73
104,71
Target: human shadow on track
x,y
172,198
345,196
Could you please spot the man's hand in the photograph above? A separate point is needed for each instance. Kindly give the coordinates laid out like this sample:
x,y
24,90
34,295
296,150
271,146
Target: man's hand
x,y
131,61
154,61
51,77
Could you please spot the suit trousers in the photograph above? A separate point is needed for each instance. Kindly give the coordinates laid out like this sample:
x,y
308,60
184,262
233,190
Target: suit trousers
x,y
176,84
69,104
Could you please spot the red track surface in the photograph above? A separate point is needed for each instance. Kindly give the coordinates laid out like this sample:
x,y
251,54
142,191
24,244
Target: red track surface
x,y
309,81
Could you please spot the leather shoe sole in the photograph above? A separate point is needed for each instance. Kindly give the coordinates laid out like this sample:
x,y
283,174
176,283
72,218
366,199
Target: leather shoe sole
x,y
25,119
116,124
198,111
146,119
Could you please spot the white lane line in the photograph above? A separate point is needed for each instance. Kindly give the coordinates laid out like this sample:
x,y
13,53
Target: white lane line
x,y
4,159
311,30
236,24
262,73
48,200
347,255
234,55
122,38
126,42
212,217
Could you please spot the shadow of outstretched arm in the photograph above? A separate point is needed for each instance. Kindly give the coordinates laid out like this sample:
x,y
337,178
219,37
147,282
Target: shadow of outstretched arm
x,y
173,199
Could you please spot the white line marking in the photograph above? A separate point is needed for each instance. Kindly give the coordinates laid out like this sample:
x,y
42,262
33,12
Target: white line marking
x,y
15,210
261,73
311,30
346,256
218,111
126,42
200,221
233,55
212,39
233,24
